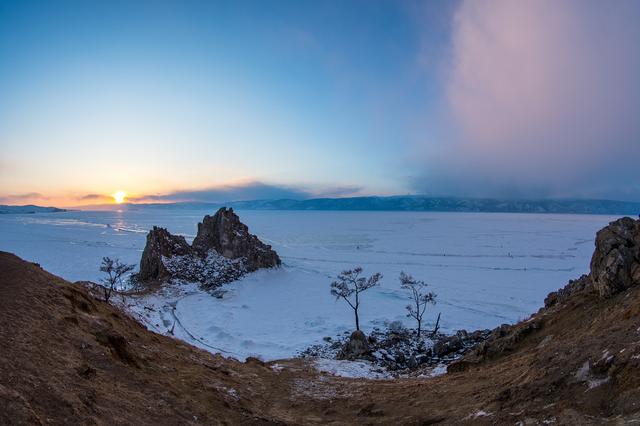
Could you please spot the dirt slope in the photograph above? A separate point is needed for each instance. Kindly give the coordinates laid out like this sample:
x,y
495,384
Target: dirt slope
x,y
66,358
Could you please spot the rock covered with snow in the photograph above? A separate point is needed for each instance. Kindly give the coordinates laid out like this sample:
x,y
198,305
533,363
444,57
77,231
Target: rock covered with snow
x,y
615,265
224,233
222,251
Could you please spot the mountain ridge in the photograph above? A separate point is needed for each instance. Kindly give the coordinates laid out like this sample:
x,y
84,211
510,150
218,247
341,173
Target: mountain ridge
x,y
28,209
421,203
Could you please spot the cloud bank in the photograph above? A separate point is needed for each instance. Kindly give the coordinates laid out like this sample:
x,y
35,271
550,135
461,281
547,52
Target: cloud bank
x,y
27,197
544,100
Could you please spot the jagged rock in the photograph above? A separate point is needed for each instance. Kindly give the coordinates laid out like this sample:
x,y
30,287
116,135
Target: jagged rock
x,y
223,251
224,233
573,286
160,245
615,265
356,348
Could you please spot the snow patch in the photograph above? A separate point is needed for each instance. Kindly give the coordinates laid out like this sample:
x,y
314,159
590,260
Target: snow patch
x,y
351,369
277,367
594,383
438,370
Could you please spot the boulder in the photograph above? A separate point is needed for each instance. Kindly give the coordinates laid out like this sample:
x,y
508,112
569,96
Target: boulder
x,y
615,265
224,233
356,348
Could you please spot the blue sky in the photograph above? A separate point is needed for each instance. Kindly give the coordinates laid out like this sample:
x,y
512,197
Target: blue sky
x,y
170,99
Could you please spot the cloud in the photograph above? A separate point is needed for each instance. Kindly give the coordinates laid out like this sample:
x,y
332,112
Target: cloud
x,y
339,191
95,197
543,99
238,192
91,197
17,198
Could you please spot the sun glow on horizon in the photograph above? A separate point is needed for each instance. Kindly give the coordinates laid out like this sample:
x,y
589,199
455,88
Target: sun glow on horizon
x,y
119,197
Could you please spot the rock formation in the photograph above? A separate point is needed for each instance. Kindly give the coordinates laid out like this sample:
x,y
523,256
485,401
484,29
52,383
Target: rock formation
x,y
615,265
160,245
225,234
222,251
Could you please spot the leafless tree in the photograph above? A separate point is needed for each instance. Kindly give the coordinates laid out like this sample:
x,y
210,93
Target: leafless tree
x,y
350,283
419,298
115,270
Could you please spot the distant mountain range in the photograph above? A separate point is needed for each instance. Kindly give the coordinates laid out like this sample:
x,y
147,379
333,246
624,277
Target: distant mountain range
x,y
393,203
28,209
421,203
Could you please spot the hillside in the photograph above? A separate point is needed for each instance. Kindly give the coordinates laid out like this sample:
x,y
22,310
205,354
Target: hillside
x,y
28,209
67,358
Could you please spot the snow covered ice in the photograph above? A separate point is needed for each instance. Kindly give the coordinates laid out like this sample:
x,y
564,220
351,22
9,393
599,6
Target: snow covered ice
x,y
487,269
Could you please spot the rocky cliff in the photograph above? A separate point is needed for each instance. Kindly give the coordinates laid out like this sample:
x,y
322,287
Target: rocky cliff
x,y
615,265
222,251
224,233
592,316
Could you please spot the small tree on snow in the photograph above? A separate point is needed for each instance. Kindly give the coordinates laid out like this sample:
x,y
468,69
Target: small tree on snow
x,y
419,298
350,283
115,270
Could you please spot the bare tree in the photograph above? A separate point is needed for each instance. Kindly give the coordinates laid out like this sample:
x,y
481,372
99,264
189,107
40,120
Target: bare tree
x,y
419,298
115,270
350,283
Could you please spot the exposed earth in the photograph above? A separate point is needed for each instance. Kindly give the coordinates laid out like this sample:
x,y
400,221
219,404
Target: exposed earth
x,y
68,358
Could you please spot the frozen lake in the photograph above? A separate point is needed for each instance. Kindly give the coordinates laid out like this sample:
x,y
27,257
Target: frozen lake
x,y
487,268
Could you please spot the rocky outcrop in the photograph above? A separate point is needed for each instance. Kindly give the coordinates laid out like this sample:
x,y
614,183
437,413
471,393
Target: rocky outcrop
x,y
222,251
615,265
224,233
160,245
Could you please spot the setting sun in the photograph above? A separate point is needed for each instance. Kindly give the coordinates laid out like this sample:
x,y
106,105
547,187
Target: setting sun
x,y
119,197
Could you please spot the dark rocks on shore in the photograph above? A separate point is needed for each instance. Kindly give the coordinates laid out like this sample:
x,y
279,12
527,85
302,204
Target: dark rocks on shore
x,y
396,349
222,251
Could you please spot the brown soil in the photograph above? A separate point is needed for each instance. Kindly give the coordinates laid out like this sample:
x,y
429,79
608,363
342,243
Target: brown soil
x,y
66,358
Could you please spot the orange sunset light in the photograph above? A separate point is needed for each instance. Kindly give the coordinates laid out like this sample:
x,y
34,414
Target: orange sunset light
x,y
119,197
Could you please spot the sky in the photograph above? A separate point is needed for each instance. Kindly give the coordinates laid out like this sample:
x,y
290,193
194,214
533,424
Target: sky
x,y
218,101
